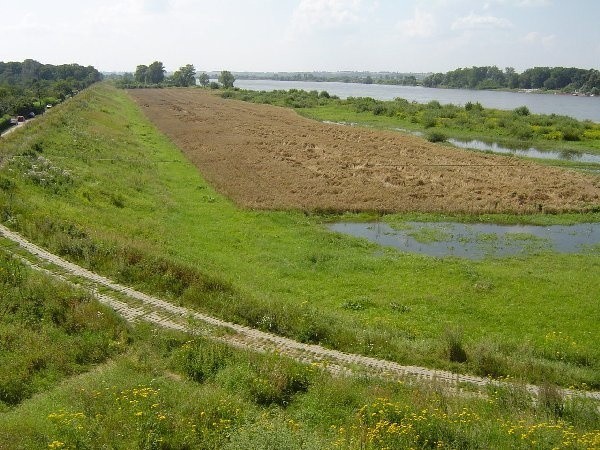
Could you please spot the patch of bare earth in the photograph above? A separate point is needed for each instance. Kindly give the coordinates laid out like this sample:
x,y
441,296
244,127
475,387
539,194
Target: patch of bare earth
x,y
271,158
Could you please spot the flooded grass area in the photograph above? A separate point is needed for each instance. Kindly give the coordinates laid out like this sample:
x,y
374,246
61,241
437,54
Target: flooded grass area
x,y
476,241
530,152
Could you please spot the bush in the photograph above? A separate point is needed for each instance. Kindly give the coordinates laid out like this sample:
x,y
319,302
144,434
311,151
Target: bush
x,y
571,133
277,380
436,136
454,346
200,360
521,111
469,106
521,131
428,121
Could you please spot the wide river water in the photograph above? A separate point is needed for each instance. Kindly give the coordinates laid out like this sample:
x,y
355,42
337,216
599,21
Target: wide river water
x,y
579,107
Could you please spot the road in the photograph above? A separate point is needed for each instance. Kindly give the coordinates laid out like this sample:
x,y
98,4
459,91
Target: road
x,y
11,129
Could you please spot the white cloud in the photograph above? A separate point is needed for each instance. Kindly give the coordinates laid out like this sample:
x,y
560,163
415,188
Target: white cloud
x,y
518,3
476,22
533,3
422,25
156,6
547,40
325,14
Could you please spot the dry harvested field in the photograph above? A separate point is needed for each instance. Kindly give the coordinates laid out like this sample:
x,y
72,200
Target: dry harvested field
x,y
268,157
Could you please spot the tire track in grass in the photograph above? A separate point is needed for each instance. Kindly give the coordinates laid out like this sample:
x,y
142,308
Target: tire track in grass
x,y
134,306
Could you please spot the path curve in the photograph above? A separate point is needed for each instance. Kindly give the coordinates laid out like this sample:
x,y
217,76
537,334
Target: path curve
x,y
140,306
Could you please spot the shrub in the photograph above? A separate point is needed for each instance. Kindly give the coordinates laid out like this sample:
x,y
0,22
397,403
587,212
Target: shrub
x,y
554,136
436,136
521,131
489,361
379,109
428,121
200,360
521,111
469,106
454,346
277,380
571,133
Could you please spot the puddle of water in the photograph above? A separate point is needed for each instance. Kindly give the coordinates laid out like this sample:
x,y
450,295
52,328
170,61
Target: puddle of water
x,y
475,241
529,152
348,124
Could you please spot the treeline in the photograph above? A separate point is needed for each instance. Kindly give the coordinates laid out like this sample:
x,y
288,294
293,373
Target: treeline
x,y
27,87
154,75
392,78
564,79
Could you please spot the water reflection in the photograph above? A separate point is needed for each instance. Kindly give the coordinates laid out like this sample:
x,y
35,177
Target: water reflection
x,y
530,152
476,241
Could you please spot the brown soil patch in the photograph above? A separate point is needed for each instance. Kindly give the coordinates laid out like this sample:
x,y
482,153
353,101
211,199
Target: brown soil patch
x,y
268,157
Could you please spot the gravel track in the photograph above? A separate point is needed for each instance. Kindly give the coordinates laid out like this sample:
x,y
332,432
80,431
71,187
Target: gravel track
x,y
135,306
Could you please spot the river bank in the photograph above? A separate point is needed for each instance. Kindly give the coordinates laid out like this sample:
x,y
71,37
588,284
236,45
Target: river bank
x,y
580,108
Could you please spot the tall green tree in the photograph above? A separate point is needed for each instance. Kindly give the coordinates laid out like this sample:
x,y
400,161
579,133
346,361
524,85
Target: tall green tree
x,y
156,72
226,79
141,73
185,76
203,79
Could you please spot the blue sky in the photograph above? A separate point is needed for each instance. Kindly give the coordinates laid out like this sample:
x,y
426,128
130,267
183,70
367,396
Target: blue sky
x,y
305,35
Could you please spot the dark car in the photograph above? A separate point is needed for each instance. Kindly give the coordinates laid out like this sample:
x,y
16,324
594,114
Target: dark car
x,y
20,119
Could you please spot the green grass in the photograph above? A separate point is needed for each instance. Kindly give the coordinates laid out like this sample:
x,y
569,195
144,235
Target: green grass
x,y
93,382
48,331
152,397
94,182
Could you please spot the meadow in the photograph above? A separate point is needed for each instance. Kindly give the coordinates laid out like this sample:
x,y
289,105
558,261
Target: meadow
x,y
74,375
94,181
128,209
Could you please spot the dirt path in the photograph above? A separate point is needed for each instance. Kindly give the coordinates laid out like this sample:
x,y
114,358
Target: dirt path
x,y
134,306
11,129
268,157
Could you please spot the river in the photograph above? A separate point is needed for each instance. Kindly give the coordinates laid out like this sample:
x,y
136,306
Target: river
x,y
581,108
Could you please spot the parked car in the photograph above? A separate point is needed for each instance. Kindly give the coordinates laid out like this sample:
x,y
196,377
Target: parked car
x,y
13,121
20,119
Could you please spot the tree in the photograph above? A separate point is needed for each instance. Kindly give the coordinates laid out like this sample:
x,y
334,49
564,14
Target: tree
x,y
141,73
185,76
203,79
156,72
226,79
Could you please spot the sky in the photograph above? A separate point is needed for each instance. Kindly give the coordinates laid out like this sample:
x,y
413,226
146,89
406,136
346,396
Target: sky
x,y
304,35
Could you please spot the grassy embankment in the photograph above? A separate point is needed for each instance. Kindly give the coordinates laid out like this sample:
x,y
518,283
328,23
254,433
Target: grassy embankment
x,y
162,389
94,182
513,129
